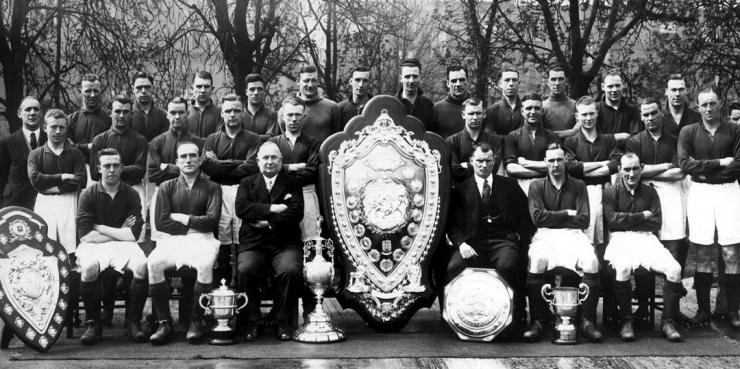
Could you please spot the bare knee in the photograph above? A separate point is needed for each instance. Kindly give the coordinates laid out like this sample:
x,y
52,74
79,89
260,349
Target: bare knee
x,y
537,264
622,273
590,264
89,271
138,266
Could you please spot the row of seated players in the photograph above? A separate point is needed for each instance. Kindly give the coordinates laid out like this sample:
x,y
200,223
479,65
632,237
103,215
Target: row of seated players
x,y
227,112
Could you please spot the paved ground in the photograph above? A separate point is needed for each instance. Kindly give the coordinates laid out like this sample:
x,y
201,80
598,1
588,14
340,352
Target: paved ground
x,y
425,342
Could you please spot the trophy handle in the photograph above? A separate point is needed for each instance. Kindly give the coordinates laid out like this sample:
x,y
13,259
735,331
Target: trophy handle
x,y
200,301
242,294
546,293
583,291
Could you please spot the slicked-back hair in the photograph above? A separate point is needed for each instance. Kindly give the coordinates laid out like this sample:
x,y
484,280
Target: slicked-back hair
x,y
472,101
733,105
123,100
650,100
554,146
707,90
585,100
178,100
484,147
613,72
308,69
361,68
556,68
89,77
55,114
27,99
295,101
253,77
508,69
676,77
532,96
630,155
455,68
108,151
203,75
411,62
141,74
230,97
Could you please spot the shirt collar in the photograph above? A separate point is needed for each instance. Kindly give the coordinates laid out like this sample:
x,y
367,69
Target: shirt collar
x,y
479,180
27,134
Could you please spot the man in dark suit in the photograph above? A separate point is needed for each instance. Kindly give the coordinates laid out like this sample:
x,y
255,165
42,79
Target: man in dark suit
x,y
271,208
15,189
490,225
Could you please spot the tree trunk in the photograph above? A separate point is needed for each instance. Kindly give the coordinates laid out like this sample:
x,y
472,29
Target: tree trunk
x,y
13,72
579,85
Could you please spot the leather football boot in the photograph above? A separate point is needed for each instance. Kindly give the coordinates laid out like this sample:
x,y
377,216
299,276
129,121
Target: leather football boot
x,y
92,334
701,319
670,332
534,333
627,332
588,328
134,332
283,332
163,334
252,332
195,332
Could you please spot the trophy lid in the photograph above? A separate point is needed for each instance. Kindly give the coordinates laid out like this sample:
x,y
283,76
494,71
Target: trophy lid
x,y
223,290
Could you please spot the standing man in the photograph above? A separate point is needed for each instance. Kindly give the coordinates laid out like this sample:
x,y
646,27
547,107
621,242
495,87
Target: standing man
x,y
558,205
203,116
633,213
259,118
592,157
490,225
359,82
506,114
525,147
15,189
411,97
230,154
617,116
678,106
57,172
322,115
108,224
707,151
271,208
187,212
90,121
447,113
559,110
147,119
300,157
463,143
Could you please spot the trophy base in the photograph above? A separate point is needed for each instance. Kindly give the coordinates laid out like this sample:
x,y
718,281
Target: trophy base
x,y
318,329
222,338
565,338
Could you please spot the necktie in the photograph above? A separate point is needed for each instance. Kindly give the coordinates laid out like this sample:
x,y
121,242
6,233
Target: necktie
x,y
486,191
269,185
34,143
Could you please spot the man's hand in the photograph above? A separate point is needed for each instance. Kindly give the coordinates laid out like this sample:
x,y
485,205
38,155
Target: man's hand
x,y
571,212
129,222
621,136
726,161
211,155
296,166
67,177
647,214
467,251
278,208
464,165
522,161
260,224
180,218
163,166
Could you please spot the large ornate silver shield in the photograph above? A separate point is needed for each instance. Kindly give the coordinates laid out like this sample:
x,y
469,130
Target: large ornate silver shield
x,y
34,279
385,183
478,304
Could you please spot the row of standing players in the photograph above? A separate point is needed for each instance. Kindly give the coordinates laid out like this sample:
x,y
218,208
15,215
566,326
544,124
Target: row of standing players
x,y
226,147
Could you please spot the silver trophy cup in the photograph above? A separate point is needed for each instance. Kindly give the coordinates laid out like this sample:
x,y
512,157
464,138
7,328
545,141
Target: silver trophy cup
x,y
564,302
221,303
318,273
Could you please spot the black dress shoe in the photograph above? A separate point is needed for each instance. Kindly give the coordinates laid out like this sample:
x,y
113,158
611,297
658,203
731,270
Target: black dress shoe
x,y
627,332
163,334
134,332
195,333
284,332
734,319
252,332
588,328
670,332
92,334
534,333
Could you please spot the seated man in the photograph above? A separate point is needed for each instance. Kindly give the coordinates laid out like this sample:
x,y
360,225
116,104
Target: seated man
x,y
489,224
271,208
632,213
559,208
187,212
108,224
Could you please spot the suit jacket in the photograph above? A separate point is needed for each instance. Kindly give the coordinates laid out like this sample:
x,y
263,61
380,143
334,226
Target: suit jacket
x,y
15,187
253,204
465,210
